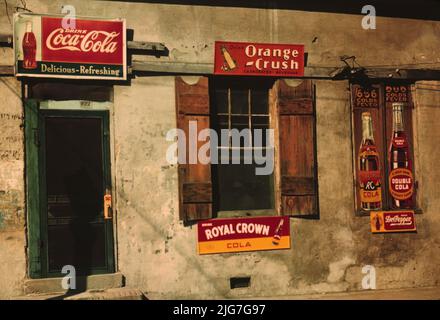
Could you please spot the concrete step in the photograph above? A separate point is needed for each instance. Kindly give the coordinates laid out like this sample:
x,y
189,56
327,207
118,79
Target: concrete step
x,y
50,286
108,294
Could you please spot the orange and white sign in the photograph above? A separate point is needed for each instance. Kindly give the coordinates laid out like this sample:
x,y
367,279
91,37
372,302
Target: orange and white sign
x,y
392,221
258,59
247,234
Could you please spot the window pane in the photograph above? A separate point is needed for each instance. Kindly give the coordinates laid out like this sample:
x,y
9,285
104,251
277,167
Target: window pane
x,y
221,100
260,122
223,122
259,101
240,189
239,122
239,101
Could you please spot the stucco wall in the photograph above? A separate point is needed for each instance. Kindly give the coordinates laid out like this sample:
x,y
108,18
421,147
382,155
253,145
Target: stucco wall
x,y
12,213
327,254
155,252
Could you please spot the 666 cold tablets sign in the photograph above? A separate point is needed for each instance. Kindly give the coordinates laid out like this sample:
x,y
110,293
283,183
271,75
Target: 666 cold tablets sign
x,y
92,49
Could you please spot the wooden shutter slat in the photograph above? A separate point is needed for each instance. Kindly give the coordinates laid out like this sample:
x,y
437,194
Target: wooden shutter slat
x,y
297,157
297,185
197,192
291,106
195,187
197,211
299,205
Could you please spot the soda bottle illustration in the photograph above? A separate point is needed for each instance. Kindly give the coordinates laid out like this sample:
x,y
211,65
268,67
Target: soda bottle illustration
x,y
400,176
277,237
369,167
29,45
378,223
230,63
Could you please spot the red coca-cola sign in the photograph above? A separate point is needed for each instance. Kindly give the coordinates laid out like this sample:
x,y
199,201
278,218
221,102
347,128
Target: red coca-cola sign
x,y
92,41
45,46
259,59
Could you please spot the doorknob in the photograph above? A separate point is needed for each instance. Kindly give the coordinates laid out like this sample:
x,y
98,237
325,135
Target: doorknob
x,y
108,214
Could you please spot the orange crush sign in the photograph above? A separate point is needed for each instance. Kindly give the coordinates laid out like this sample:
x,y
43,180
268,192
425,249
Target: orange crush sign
x,y
392,221
247,234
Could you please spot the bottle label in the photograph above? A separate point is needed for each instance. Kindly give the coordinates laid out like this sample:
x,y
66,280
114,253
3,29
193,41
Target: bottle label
x,y
400,142
368,150
370,186
401,184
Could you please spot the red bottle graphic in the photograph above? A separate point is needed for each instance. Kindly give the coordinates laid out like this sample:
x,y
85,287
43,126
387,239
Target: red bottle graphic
x,y
400,178
277,235
29,48
378,223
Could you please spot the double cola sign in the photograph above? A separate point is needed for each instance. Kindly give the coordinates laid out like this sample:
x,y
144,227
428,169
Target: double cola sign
x,y
92,49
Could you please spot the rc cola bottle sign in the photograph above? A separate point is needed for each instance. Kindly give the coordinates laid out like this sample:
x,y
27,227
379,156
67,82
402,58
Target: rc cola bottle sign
x,y
29,45
369,167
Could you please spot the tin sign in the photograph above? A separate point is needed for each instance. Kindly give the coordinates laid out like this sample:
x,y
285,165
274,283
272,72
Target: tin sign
x,y
259,59
392,221
93,49
243,234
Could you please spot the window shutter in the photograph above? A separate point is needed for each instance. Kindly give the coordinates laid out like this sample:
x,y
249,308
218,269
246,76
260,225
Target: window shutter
x,y
195,186
297,192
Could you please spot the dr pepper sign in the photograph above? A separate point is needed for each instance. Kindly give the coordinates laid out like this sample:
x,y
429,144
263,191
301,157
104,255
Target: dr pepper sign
x,y
258,59
93,49
243,234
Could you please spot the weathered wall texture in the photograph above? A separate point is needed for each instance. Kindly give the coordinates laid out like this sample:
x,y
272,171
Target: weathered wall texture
x,y
156,253
12,214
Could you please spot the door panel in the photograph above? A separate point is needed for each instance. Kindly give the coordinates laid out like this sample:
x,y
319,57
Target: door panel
x,y
75,174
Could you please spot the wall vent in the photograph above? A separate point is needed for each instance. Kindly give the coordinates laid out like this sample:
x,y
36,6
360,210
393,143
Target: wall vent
x,y
240,282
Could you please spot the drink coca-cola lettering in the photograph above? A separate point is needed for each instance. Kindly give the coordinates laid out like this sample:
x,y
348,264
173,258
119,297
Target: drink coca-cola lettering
x,y
85,41
91,41
29,45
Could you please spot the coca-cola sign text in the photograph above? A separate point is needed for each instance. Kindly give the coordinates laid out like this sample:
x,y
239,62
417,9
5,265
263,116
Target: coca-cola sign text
x,y
81,40
93,41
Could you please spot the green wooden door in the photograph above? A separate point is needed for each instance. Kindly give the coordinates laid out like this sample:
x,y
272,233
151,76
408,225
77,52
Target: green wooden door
x,y
69,164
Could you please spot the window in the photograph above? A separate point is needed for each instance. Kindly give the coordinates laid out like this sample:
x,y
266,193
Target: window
x,y
209,190
383,147
242,105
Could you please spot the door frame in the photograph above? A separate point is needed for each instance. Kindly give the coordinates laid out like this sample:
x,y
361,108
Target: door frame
x,y
36,189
